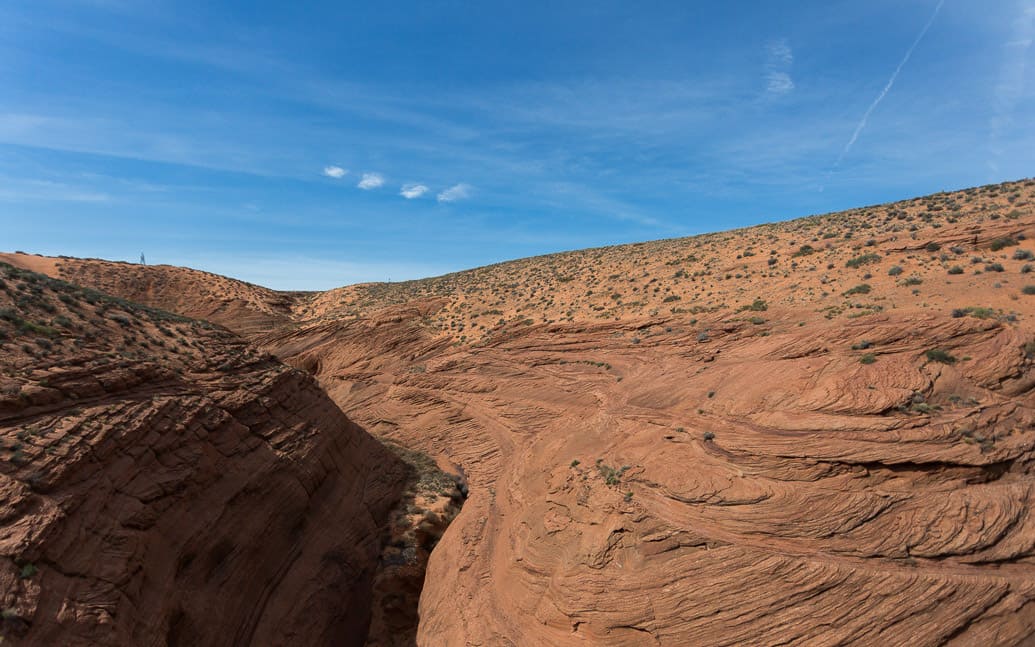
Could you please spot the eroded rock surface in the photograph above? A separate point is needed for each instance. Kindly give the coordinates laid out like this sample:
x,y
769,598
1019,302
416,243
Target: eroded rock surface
x,y
164,483
765,460
816,432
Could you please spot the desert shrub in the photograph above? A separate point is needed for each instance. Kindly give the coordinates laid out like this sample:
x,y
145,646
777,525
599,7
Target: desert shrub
x,y
994,267
974,311
865,259
1023,255
758,305
1000,243
1028,289
895,270
612,476
868,358
912,280
955,269
932,246
940,356
1029,349
804,250
862,288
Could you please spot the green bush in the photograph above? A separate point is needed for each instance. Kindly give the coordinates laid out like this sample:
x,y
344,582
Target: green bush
x,y
895,270
868,358
611,475
865,259
862,288
940,356
1000,243
974,311
1028,289
955,269
758,305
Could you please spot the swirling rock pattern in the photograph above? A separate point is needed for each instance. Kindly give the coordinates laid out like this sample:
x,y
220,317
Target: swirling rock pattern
x,y
164,483
818,432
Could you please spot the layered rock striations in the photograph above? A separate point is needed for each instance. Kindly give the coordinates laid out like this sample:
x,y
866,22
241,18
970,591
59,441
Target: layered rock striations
x,y
816,432
165,483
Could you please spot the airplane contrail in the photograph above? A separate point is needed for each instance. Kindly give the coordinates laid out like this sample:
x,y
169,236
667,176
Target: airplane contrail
x,y
887,88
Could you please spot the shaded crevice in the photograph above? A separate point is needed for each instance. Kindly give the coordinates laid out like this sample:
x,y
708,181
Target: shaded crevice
x,y
431,500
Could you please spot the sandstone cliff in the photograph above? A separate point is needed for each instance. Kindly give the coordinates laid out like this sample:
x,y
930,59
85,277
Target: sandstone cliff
x,y
817,432
164,483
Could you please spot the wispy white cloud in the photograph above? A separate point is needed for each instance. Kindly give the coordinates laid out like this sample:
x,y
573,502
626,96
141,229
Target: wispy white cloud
x,y
411,191
456,192
371,181
23,190
1010,88
779,83
887,87
567,194
335,172
780,52
779,58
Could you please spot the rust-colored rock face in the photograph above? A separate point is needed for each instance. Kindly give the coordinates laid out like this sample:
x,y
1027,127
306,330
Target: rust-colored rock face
x,y
163,483
817,432
699,449
242,307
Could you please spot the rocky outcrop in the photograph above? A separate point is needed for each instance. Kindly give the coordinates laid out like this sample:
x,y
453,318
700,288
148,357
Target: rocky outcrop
x,y
773,462
819,432
729,491
188,491
244,308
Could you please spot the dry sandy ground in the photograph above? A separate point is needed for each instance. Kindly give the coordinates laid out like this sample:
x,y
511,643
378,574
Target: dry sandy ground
x,y
814,432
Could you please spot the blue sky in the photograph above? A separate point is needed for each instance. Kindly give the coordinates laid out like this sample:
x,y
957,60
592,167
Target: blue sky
x,y
310,145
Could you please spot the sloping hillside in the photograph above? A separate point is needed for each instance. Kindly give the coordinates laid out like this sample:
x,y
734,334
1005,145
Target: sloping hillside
x,y
242,307
165,483
802,264
815,432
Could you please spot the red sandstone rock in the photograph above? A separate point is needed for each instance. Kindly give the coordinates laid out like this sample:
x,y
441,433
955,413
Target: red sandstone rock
x,y
184,494
683,443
